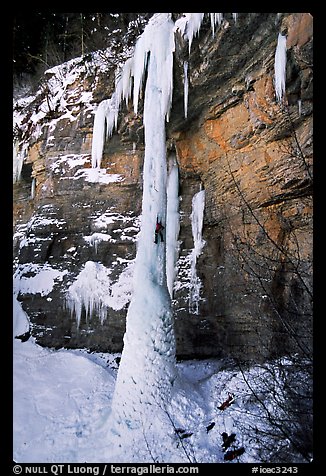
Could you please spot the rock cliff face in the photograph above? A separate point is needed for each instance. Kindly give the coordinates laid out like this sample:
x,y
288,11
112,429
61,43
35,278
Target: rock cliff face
x,y
251,155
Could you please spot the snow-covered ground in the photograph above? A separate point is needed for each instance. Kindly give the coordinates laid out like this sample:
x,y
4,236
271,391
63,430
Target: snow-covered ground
x,y
62,401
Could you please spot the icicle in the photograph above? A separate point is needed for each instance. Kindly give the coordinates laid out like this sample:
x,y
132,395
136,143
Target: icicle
x,y
280,67
235,17
299,107
123,82
119,82
140,59
215,17
127,79
96,238
99,134
33,188
105,121
18,159
213,23
185,87
218,18
197,216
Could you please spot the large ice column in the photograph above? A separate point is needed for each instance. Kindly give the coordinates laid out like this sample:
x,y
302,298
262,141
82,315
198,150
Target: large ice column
x,y
197,217
280,67
147,367
172,223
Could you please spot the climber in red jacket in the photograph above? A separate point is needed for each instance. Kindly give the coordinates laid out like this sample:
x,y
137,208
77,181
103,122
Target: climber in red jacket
x,y
158,231
227,402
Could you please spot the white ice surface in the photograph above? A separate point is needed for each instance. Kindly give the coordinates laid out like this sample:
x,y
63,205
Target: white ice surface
x,y
280,67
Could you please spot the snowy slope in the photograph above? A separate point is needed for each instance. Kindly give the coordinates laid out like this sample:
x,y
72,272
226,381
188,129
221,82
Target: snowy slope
x,y
62,401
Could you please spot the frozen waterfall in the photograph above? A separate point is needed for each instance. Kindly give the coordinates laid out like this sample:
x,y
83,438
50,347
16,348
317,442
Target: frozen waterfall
x,y
147,367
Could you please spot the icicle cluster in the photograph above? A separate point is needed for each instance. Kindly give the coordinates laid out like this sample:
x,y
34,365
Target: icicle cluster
x,y
280,67
93,292
89,292
189,25
129,77
215,18
105,121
